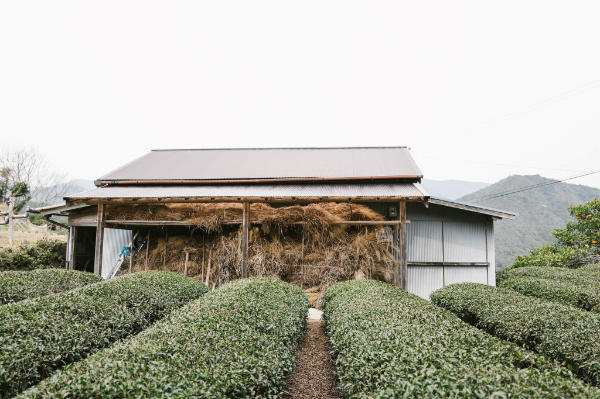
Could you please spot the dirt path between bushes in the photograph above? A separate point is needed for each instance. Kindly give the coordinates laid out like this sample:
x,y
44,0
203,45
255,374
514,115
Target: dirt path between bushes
x,y
313,376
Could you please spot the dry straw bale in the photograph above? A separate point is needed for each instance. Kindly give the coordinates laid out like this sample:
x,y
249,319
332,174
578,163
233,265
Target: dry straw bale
x,y
300,244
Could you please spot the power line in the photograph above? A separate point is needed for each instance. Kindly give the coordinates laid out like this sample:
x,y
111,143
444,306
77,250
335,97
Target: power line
x,y
531,187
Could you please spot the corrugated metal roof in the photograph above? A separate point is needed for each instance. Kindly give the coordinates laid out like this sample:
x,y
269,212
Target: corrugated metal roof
x,y
268,163
473,208
411,190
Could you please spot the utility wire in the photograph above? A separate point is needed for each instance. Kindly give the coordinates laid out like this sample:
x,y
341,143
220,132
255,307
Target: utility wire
x,y
531,187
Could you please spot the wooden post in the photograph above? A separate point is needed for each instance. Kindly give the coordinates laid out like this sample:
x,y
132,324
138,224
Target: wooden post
x,y
73,240
402,244
208,270
245,219
131,252
187,257
147,248
11,206
99,240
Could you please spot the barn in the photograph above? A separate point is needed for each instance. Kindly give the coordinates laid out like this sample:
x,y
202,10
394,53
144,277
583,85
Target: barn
x,y
309,215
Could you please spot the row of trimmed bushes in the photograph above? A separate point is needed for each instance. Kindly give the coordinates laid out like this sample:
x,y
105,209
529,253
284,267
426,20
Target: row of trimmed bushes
x,y
584,275
235,342
41,335
387,343
562,332
582,295
43,254
19,285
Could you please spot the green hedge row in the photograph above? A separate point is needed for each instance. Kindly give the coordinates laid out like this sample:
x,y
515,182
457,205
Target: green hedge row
x,y
562,332
40,335
584,295
235,342
44,254
16,286
584,275
387,343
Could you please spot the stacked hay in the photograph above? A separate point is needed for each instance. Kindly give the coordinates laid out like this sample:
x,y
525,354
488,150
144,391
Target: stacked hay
x,y
299,244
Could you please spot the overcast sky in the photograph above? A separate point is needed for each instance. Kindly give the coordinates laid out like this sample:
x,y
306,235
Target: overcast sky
x,y
479,90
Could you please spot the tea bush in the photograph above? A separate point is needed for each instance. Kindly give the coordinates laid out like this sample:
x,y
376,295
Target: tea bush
x,y
579,293
235,342
387,343
38,336
561,332
18,285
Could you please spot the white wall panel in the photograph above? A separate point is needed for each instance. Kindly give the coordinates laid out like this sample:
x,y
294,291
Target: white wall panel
x,y
114,241
424,241
465,242
465,274
423,280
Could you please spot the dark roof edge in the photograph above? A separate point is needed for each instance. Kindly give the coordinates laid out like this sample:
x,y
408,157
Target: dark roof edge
x,y
367,179
282,148
498,213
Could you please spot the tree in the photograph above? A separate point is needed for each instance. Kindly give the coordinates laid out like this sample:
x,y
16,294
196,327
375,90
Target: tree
x,y
577,244
19,190
30,167
584,231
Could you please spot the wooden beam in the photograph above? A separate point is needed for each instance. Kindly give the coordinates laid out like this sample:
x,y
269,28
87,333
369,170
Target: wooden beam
x,y
245,219
125,222
402,244
452,264
193,200
99,240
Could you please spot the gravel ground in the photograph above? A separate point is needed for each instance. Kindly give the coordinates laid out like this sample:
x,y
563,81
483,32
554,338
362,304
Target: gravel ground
x,y
313,376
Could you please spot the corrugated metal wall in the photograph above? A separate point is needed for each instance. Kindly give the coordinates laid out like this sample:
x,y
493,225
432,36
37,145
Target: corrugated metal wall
x,y
114,241
424,241
456,239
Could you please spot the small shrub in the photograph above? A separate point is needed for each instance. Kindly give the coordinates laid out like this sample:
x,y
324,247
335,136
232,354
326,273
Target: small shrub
x,y
581,294
44,254
16,286
561,332
38,336
387,343
235,342
552,255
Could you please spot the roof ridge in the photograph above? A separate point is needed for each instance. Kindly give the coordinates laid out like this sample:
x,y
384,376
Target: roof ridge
x,y
282,148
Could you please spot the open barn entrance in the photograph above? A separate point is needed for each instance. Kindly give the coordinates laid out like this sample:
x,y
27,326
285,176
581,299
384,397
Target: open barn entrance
x,y
83,250
313,245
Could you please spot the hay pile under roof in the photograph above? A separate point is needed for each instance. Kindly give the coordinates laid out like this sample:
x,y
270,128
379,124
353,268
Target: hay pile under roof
x,y
300,244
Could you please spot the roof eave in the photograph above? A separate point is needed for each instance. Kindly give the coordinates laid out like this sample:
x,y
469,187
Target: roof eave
x,y
495,213
109,182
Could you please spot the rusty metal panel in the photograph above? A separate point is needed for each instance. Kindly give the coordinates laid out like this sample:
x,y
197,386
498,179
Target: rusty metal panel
x,y
465,274
114,241
465,242
423,280
424,243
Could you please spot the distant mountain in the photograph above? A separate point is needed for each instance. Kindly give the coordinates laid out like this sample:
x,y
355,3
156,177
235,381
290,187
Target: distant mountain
x,y
53,195
451,189
541,210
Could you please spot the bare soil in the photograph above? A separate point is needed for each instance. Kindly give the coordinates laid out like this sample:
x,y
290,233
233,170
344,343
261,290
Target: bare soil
x,y
313,377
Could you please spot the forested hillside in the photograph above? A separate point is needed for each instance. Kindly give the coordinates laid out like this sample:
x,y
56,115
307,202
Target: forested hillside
x,y
541,210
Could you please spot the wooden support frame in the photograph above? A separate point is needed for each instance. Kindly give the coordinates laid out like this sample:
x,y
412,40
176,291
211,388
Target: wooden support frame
x,y
402,263
72,239
99,240
245,223
125,222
